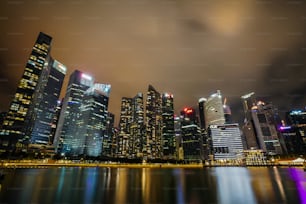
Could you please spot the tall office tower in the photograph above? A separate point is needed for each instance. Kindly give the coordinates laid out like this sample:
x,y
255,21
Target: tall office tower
x,y
178,137
192,142
65,141
108,138
54,122
40,128
91,125
201,112
153,124
295,133
204,135
214,114
168,135
226,141
137,130
115,143
263,117
248,128
124,127
21,111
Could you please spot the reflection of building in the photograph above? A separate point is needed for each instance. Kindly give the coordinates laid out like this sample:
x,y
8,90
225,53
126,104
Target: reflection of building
x,y
19,121
226,141
191,135
153,124
168,135
214,113
65,140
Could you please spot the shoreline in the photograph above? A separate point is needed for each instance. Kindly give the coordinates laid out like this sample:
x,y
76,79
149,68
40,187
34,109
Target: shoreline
x,y
14,165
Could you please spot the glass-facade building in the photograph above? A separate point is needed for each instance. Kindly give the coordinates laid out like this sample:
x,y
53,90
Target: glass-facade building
x,y
93,121
108,137
260,126
168,134
131,126
66,140
214,113
192,141
153,124
137,130
45,110
294,133
126,119
18,123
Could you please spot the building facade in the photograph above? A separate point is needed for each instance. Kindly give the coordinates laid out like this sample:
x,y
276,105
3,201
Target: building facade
x,y
214,113
137,130
45,110
168,134
66,140
18,123
93,120
226,142
126,119
192,141
153,123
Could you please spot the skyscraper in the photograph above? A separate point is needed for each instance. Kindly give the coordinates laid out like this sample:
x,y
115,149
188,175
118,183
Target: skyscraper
x,y
168,135
65,141
125,123
108,138
263,117
131,135
295,133
261,121
16,125
201,112
153,124
92,121
137,127
248,128
214,113
192,141
46,108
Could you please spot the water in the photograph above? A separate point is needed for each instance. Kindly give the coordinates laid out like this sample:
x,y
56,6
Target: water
x,y
135,185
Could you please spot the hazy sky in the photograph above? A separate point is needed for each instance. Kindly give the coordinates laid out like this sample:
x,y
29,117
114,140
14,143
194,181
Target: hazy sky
x,y
188,48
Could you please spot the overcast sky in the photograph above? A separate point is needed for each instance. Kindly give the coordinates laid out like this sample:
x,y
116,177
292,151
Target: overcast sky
x,y
188,48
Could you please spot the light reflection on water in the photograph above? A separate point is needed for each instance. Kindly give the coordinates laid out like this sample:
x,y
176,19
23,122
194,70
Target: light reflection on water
x,y
124,185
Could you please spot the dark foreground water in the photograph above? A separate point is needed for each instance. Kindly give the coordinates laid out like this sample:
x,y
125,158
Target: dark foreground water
x,y
123,185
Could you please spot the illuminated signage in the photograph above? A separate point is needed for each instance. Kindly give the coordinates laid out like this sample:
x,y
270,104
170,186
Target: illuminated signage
x,y
188,110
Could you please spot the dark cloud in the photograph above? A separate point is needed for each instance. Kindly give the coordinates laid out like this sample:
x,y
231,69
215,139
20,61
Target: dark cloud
x,y
189,48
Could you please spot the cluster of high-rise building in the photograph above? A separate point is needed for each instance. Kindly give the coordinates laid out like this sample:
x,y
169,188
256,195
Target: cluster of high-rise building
x,y
80,124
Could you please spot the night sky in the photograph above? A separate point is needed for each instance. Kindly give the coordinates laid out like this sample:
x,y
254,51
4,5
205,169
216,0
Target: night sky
x,y
188,48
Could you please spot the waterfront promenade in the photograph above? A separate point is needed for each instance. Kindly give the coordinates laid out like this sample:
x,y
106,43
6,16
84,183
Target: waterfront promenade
x,y
11,164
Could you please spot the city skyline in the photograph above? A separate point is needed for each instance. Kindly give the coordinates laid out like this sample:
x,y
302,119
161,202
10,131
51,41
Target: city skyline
x,y
190,49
